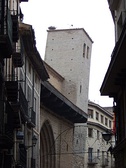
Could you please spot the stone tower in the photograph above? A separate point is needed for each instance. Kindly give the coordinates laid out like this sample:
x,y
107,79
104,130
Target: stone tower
x,y
68,51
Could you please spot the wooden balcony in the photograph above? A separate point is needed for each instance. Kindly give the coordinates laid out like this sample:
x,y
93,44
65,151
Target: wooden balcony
x,y
18,102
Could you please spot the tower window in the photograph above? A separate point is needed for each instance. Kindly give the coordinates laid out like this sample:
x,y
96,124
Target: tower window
x,y
84,49
87,52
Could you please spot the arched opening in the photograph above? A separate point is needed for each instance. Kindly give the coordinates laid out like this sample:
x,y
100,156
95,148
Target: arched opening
x,y
47,146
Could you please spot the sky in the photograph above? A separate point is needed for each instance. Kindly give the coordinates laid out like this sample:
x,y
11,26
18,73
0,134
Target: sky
x,y
92,15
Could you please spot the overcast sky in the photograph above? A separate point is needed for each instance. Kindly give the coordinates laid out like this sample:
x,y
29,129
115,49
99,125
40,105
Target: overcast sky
x,y
92,15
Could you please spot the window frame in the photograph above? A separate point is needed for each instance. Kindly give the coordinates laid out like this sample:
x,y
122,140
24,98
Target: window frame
x,y
90,132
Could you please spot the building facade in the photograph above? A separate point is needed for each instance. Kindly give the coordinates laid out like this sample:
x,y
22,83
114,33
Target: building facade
x,y
114,81
58,118
30,136
20,89
68,51
68,54
97,152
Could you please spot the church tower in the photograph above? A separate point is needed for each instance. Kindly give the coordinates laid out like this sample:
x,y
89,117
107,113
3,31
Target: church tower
x,y
68,51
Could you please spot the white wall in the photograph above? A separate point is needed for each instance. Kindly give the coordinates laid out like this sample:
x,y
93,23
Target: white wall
x,y
64,52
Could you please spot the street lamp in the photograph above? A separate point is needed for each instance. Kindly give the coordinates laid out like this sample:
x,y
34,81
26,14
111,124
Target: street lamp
x,y
107,136
34,140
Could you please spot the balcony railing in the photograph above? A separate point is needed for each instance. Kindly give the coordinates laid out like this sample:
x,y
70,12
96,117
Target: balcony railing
x,y
19,103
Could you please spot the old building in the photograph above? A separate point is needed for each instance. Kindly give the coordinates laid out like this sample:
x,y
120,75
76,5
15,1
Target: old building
x,y
31,77
31,137
20,89
58,118
97,149
68,51
114,84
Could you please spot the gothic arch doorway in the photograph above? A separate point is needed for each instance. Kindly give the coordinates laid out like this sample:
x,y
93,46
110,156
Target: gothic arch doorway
x,y
47,146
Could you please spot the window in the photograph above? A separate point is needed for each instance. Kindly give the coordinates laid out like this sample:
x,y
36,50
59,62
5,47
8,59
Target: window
x,y
97,134
103,156
97,116
90,132
106,121
87,51
90,154
84,49
90,113
110,124
98,153
102,119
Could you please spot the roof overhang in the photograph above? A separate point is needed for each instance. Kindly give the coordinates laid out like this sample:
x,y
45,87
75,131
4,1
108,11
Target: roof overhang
x,y
52,99
116,72
28,37
113,4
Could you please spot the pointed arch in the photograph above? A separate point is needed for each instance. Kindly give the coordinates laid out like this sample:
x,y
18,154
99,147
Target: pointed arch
x,y
47,146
